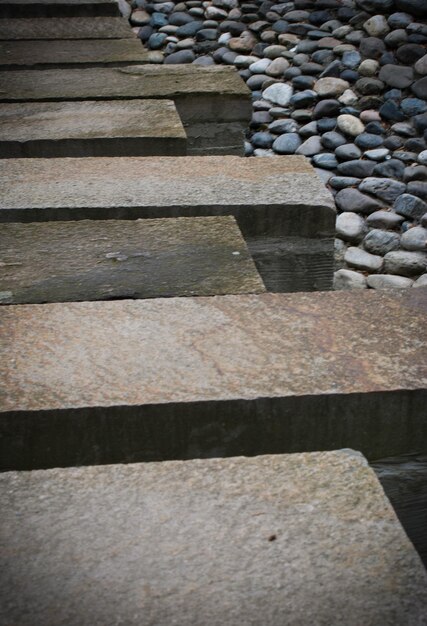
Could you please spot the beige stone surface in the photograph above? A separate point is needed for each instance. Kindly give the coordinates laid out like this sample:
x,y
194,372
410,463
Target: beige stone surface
x,y
102,128
283,209
58,8
65,28
193,377
21,55
95,260
298,540
201,93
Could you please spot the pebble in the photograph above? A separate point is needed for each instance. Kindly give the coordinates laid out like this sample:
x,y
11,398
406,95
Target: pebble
x,y
380,242
350,125
348,279
421,281
279,93
350,227
388,281
287,143
415,239
330,87
362,260
350,199
384,219
384,188
405,263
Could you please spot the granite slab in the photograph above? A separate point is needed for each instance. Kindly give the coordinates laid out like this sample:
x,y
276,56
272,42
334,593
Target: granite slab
x,y
291,539
176,378
97,260
40,55
58,8
283,209
91,129
65,28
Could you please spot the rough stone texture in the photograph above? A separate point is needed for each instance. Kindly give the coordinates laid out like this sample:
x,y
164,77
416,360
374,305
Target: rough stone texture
x,y
201,94
65,28
58,8
78,129
105,382
18,55
97,260
313,534
285,213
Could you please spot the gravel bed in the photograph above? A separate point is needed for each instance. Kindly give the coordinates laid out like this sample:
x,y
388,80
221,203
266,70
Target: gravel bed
x,y
343,82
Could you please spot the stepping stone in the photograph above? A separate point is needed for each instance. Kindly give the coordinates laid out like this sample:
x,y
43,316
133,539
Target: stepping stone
x,y
58,8
97,260
88,383
309,538
79,129
286,215
66,28
27,55
213,102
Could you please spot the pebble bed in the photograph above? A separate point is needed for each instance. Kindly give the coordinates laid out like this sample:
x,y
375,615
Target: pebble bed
x,y
343,82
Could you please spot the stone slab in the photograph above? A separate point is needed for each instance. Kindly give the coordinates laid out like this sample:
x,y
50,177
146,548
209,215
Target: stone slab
x,y
97,260
201,94
297,539
283,209
176,378
65,28
80,129
40,55
58,8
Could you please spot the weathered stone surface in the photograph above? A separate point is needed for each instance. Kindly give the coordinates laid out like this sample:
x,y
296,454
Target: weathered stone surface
x,y
195,377
78,129
314,534
65,28
58,8
284,211
97,260
201,94
17,55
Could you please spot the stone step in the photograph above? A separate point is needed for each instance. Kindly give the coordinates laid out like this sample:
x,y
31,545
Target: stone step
x,y
65,28
58,8
110,382
296,539
97,260
283,209
213,102
95,129
40,55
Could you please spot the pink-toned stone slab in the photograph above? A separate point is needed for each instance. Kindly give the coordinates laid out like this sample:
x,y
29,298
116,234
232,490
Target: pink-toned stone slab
x,y
104,382
304,539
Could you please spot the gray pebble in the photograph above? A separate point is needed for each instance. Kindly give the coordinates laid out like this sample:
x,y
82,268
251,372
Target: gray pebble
x,y
362,260
386,281
348,279
384,188
415,239
405,263
380,242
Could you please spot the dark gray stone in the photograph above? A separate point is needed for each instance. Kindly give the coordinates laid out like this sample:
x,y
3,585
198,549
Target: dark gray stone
x,y
353,200
380,242
399,76
418,188
356,168
420,88
368,141
384,188
287,143
331,140
410,206
393,168
348,152
405,263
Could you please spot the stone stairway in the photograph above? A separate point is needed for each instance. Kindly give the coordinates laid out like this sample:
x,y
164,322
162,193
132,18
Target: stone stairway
x,y
138,340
